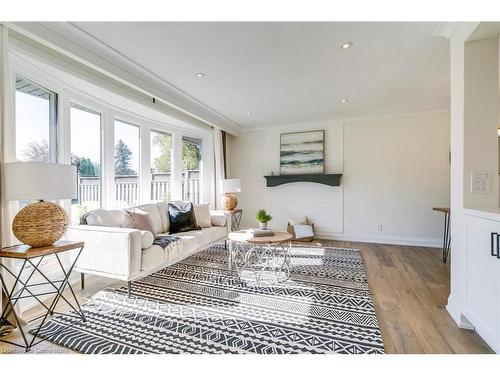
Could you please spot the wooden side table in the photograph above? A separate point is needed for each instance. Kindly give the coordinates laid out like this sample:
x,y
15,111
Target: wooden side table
x,y
33,256
446,234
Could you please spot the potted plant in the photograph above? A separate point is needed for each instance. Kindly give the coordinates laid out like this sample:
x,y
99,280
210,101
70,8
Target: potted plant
x,y
263,218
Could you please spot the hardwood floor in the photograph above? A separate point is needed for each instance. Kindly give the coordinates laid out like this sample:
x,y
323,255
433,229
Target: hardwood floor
x,y
409,285
410,288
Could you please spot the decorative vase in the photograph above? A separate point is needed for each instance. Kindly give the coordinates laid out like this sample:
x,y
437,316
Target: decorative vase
x,y
263,225
229,201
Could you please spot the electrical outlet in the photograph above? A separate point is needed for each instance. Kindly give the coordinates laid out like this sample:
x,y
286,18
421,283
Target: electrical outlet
x,y
480,182
380,228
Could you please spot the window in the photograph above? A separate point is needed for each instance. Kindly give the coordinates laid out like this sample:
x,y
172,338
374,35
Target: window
x,y
86,156
161,166
36,122
127,141
35,126
191,169
35,140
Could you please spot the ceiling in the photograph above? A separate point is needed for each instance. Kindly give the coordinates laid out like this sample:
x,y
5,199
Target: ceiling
x,y
291,72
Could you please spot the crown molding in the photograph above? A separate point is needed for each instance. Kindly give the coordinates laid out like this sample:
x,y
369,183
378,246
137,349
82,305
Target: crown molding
x,y
344,120
75,43
446,29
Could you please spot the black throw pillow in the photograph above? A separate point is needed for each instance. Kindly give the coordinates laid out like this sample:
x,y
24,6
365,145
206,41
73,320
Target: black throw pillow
x,y
182,217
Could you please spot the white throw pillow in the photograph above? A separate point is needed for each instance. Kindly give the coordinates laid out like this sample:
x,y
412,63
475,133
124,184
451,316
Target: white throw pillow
x,y
147,239
202,213
219,219
163,210
153,212
101,217
301,221
303,231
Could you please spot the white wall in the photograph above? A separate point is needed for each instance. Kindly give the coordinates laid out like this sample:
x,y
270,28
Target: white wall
x,y
256,153
394,171
480,119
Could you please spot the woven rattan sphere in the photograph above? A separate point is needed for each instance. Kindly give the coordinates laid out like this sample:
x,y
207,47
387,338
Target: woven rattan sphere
x,y
229,201
40,224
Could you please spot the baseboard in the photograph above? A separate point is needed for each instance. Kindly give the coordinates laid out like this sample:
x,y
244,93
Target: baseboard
x,y
457,315
388,240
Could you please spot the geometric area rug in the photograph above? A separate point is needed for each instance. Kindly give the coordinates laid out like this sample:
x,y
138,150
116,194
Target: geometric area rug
x,y
196,306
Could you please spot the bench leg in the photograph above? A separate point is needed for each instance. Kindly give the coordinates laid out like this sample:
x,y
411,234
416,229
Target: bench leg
x,y
82,280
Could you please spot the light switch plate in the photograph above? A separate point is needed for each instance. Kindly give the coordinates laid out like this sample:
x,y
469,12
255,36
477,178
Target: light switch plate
x,y
480,182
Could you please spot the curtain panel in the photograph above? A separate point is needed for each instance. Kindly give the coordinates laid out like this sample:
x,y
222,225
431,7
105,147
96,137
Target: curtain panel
x,y
5,118
219,150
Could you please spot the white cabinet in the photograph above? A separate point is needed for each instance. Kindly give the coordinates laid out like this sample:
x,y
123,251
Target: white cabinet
x,y
482,271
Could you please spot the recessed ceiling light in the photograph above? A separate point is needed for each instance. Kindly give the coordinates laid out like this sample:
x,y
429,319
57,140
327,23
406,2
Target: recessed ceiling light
x,y
249,113
200,75
346,45
344,100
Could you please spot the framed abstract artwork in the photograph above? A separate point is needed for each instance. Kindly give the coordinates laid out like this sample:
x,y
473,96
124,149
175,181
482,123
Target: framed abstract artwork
x,y
302,152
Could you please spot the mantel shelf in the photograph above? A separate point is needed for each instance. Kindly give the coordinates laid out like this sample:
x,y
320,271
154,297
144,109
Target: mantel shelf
x,y
323,178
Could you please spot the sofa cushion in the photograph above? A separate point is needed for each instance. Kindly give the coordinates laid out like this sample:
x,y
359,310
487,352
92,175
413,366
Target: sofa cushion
x,y
182,218
202,213
152,210
152,257
163,210
191,242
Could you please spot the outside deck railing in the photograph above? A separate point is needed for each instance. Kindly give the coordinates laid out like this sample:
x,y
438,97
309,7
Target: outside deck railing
x,y
127,188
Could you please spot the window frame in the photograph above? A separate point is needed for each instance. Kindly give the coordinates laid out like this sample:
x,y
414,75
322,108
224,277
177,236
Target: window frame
x,y
129,120
207,188
84,107
54,114
153,129
201,172
37,69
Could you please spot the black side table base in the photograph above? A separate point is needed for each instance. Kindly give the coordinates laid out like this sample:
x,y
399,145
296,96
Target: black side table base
x,y
235,220
446,237
13,297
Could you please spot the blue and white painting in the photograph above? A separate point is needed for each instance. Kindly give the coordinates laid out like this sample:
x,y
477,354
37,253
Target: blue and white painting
x,y
302,153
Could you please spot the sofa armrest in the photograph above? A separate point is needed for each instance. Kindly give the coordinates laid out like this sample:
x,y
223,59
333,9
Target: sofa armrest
x,y
108,250
221,218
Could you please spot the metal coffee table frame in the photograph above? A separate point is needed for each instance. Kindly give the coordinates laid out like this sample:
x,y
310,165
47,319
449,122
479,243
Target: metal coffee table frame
x,y
13,297
258,258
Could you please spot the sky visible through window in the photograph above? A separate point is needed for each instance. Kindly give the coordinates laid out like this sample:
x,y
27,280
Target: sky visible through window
x,y
32,122
86,135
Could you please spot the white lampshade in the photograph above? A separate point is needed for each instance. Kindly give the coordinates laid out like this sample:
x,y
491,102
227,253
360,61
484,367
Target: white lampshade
x,y
232,185
39,181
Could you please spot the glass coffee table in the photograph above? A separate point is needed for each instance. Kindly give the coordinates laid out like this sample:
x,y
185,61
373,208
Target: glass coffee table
x,y
258,259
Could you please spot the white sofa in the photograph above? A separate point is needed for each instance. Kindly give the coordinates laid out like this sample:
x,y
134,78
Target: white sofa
x,y
128,254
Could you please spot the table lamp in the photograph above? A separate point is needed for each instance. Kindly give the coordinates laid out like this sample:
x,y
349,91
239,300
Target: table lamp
x,y
41,223
229,199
